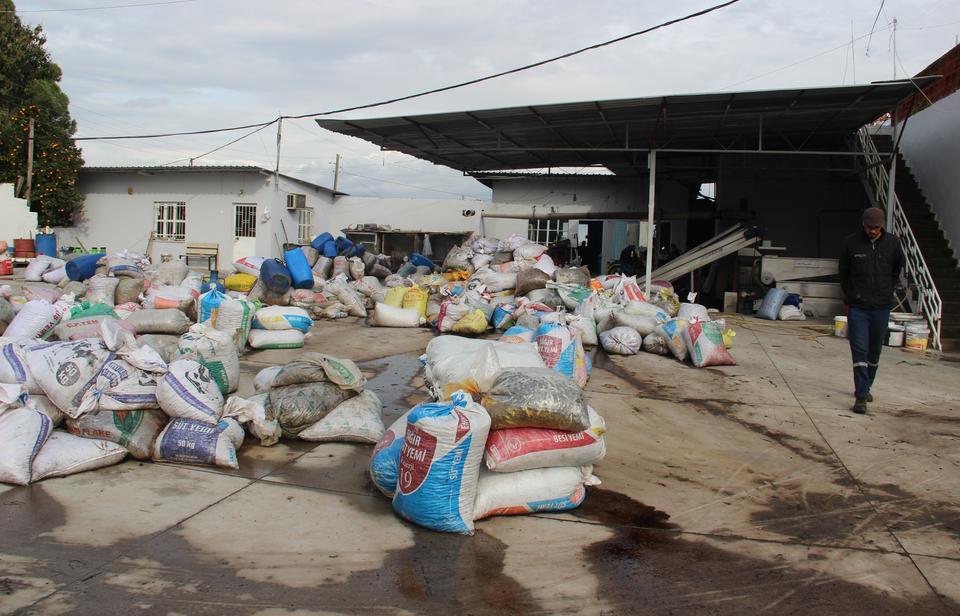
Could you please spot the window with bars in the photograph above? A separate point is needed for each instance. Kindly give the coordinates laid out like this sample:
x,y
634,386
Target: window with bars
x,y
245,220
170,220
545,232
304,226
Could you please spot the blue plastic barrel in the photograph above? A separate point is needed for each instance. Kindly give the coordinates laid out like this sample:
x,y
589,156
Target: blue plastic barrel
x,y
356,250
275,276
772,302
83,267
418,259
46,244
320,240
329,249
299,268
343,245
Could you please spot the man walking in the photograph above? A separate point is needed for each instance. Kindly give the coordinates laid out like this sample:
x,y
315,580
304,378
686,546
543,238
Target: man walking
x,y
870,265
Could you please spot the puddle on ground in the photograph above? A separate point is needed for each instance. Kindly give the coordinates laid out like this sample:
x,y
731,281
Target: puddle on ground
x,y
649,567
398,381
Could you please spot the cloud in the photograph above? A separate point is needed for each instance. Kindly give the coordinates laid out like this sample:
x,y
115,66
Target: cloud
x,y
227,62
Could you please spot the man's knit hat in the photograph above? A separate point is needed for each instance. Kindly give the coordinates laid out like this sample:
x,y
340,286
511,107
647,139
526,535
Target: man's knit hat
x,y
874,217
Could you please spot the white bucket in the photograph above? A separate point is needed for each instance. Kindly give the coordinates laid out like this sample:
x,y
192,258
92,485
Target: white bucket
x,y
895,335
917,335
840,327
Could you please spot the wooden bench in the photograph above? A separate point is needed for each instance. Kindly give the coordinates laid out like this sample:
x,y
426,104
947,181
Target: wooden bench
x,y
201,250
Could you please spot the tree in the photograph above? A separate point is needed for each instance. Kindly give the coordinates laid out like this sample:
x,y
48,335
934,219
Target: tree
x,y
29,90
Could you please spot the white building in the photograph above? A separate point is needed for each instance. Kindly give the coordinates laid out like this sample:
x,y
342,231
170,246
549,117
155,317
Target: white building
x,y
241,209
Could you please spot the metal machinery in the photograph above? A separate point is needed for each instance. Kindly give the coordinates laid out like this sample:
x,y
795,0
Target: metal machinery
x,y
812,279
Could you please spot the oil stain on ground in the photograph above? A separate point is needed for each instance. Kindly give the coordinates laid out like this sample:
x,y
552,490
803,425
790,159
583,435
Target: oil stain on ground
x,y
649,567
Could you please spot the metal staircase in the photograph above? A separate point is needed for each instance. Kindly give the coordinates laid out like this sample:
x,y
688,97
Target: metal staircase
x,y
926,298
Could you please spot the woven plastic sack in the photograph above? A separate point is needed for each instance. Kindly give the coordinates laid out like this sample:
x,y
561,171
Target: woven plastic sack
x,y
341,266
536,398
704,342
39,266
621,341
672,334
14,368
347,296
135,430
579,276
118,386
282,317
643,325
35,320
65,371
531,279
65,454
451,311
188,390
23,431
519,449
323,267
385,315
235,317
320,368
169,321
172,272
528,251
208,304
297,407
440,464
165,345
253,414
195,442
561,349
249,265
216,351
416,298
55,276
647,309
240,281
454,362
385,460
128,291
655,343
357,420
518,334
275,339
356,268
84,327
180,298
265,378
472,323
533,491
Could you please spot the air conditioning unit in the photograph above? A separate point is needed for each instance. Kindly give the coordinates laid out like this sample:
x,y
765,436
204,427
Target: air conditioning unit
x,y
296,202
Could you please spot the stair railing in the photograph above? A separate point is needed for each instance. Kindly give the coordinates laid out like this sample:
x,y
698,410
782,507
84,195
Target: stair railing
x,y
918,274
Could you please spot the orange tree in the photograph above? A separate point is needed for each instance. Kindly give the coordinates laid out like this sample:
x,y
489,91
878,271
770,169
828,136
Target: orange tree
x,y
29,89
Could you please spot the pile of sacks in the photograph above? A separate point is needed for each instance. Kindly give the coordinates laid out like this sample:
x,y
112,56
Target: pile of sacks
x,y
507,436
114,396
319,398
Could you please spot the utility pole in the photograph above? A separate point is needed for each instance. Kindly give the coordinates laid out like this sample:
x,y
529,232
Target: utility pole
x,y
336,174
894,47
29,162
276,171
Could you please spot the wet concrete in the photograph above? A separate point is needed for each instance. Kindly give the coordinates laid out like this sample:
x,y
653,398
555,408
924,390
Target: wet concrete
x,y
728,490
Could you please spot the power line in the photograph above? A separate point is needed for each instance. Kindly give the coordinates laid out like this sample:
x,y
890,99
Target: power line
x,y
521,68
100,8
193,158
435,90
879,10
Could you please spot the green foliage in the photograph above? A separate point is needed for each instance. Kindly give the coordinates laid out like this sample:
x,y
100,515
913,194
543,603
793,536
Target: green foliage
x,y
29,89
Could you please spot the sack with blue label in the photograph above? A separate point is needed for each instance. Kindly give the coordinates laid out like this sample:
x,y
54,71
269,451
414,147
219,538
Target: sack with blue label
x,y
440,464
282,317
561,348
195,442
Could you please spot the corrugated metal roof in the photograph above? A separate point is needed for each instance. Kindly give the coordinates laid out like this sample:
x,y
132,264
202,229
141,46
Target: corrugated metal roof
x,y
613,132
199,169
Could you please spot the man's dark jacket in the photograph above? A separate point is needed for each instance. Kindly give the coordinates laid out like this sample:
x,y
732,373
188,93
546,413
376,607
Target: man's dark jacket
x,y
869,270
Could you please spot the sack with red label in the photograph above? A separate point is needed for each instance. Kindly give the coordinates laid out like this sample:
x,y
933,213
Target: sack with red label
x,y
440,463
534,491
521,449
386,456
704,341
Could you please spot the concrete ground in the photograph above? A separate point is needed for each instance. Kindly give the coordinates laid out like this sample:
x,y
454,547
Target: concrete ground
x,y
745,489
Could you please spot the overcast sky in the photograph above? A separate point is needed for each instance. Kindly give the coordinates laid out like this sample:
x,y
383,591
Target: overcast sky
x,y
202,64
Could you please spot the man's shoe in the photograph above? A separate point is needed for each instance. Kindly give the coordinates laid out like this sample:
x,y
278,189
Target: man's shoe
x,y
869,397
860,406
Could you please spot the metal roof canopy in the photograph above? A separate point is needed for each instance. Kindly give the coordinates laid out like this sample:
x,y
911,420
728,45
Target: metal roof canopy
x,y
613,132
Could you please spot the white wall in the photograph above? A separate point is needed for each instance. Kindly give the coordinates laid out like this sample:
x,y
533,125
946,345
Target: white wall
x,y
118,210
16,219
931,147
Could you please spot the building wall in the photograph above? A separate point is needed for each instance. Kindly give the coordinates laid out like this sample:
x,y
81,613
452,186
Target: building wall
x,y
16,219
931,147
119,210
